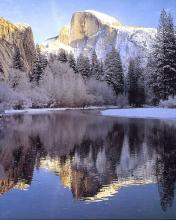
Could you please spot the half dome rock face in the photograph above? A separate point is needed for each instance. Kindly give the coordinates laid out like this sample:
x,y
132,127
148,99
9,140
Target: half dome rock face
x,y
83,25
15,35
88,23
89,30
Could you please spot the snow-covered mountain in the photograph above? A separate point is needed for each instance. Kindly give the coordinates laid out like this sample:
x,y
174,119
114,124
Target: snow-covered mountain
x,y
89,30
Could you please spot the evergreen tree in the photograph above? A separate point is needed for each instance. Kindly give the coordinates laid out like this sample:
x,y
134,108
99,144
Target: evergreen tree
x,y
43,61
83,66
141,98
151,80
135,84
52,57
1,69
1,72
95,66
62,56
39,65
101,71
114,71
72,62
164,57
132,83
17,60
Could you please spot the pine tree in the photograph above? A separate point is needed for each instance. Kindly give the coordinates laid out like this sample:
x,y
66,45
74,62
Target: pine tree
x,y
95,66
164,57
101,71
114,71
39,65
152,84
1,69
132,83
43,61
135,83
1,72
52,57
171,50
141,97
83,66
72,62
17,60
62,56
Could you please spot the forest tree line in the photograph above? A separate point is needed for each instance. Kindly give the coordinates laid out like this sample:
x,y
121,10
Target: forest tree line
x,y
61,80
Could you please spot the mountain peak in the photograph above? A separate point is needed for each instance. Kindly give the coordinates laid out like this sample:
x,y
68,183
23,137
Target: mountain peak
x,y
92,30
104,18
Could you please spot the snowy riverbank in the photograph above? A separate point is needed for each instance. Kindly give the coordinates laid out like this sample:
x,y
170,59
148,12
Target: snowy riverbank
x,y
45,110
160,113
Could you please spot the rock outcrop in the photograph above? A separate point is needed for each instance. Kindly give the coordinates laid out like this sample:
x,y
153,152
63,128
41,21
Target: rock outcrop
x,y
89,30
15,35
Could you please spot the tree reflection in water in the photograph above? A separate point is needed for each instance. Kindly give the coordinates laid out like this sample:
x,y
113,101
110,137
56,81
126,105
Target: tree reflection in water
x,y
93,155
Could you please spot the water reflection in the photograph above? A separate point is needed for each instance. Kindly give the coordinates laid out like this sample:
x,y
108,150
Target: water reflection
x,y
94,156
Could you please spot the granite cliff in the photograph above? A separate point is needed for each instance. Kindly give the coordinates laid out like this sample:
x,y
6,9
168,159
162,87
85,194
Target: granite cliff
x,y
15,35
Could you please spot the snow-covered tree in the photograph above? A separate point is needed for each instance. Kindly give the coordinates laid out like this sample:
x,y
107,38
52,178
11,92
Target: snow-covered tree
x,y
43,61
102,92
1,72
39,65
101,71
15,77
18,62
1,69
6,96
83,66
62,56
164,57
132,83
152,82
72,62
95,66
114,71
52,57
135,83
63,87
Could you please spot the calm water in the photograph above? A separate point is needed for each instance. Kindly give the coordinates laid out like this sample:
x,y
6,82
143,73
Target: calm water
x,y
82,165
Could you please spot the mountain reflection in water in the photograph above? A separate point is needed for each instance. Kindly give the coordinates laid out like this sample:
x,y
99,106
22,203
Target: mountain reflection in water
x,y
94,156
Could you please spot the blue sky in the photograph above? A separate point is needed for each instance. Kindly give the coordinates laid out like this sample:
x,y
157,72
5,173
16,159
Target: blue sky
x,y
46,17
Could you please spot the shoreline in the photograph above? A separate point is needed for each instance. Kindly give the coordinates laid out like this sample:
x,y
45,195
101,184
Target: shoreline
x,y
47,110
108,111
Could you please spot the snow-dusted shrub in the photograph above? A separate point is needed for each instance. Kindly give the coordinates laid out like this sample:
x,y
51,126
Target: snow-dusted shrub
x,y
6,96
63,87
11,99
38,98
170,103
122,101
59,86
20,101
20,86
102,92
18,80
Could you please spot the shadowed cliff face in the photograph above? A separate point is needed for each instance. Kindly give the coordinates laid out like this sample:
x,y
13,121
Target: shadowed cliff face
x,y
15,35
94,156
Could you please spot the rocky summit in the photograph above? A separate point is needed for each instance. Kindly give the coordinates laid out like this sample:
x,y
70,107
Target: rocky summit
x,y
15,35
89,30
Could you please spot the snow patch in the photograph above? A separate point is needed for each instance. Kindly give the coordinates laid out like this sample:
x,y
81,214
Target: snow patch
x,y
155,113
104,18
